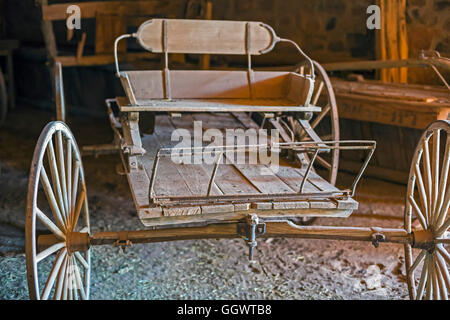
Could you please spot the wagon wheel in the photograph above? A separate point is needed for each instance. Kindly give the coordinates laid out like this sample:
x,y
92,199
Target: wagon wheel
x,y
325,123
57,203
3,99
427,260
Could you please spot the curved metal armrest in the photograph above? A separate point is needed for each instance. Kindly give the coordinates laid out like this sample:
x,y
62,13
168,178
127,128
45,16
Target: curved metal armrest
x,y
116,43
302,53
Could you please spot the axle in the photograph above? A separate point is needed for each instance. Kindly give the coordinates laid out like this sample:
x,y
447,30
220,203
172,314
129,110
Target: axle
x,y
249,229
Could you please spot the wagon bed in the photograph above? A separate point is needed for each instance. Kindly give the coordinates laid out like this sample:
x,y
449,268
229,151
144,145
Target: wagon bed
x,y
273,193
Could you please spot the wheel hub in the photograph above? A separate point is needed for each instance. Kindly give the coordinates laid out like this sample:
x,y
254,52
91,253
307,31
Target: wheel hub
x,y
77,241
424,239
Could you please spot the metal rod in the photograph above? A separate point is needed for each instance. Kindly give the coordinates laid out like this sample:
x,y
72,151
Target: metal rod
x,y
361,171
213,176
152,179
308,170
116,59
250,197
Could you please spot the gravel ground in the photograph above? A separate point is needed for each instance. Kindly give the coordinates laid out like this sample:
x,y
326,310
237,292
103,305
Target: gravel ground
x,y
202,269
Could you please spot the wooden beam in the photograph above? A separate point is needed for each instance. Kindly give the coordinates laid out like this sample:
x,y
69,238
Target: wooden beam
x,y
386,174
402,113
90,9
375,64
101,59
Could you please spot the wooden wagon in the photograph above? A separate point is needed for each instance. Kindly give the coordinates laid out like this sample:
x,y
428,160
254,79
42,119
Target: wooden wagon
x,y
189,188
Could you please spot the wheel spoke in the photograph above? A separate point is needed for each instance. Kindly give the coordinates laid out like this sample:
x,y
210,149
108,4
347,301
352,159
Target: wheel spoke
x,y
69,174
78,281
50,250
418,260
74,281
80,201
429,280
60,220
423,280
52,277
60,280
320,116
444,253
70,281
75,187
428,180
442,229
436,291
318,93
84,230
81,260
61,166
65,289
55,176
443,184
444,276
50,225
323,162
443,214
418,212
435,187
422,192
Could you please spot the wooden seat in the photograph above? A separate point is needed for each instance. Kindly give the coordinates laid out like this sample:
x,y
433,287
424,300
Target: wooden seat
x,y
200,90
212,90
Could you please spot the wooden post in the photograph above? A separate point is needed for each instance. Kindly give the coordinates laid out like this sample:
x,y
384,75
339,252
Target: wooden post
x,y
205,59
59,92
392,38
52,52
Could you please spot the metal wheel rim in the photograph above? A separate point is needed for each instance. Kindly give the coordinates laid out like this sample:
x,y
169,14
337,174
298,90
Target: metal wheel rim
x,y
321,76
429,204
64,278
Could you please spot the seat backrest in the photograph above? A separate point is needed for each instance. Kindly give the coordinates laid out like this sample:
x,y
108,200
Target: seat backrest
x,y
211,37
206,36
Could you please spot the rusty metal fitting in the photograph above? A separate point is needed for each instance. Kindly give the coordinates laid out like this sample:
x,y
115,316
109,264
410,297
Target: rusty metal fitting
x,y
123,241
77,241
377,236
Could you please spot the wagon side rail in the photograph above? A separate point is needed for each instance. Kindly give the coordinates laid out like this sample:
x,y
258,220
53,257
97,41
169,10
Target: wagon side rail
x,y
309,147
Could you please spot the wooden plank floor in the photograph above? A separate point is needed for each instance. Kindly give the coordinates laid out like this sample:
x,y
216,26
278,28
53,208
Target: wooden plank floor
x,y
231,179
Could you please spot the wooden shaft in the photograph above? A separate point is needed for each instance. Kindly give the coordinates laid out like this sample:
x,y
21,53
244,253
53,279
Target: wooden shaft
x,y
374,64
274,229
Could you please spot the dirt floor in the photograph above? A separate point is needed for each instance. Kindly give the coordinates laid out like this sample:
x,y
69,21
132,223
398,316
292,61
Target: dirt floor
x,y
202,269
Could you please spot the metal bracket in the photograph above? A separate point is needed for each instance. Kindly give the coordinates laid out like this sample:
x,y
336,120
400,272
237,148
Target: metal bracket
x,y
378,237
123,241
250,229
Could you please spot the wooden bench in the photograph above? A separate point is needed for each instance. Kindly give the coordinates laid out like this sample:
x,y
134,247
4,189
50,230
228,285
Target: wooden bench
x,y
210,90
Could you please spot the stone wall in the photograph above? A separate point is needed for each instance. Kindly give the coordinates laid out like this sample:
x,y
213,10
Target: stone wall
x,y
328,30
335,30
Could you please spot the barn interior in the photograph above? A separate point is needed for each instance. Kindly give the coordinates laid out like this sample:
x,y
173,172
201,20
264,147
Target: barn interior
x,y
388,65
